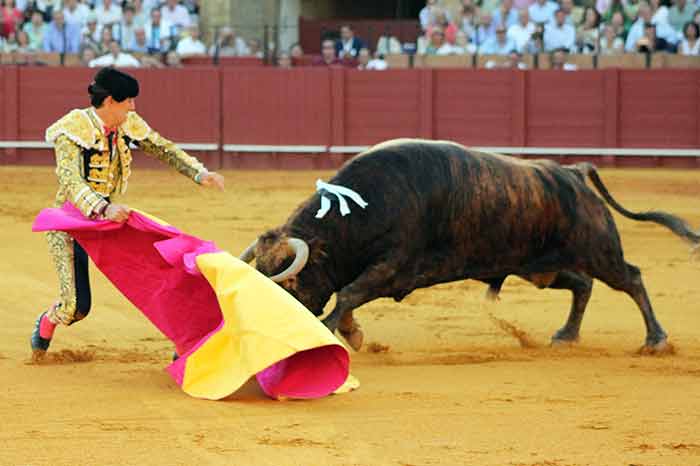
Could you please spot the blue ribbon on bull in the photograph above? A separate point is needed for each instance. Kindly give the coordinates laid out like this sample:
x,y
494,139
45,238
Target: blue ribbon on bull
x,y
339,192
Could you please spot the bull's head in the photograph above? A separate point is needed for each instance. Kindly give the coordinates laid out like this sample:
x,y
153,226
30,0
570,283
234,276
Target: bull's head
x,y
294,265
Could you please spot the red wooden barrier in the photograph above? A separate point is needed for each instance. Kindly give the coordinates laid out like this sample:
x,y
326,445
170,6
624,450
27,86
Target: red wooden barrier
x,y
307,110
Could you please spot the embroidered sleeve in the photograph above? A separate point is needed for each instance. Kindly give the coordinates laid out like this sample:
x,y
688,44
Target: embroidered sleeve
x,y
68,170
166,151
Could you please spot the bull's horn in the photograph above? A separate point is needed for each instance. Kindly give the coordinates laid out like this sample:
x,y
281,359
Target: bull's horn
x,y
249,254
301,256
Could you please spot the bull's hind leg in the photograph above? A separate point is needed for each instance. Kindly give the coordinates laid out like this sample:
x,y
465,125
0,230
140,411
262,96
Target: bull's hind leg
x,y
581,286
628,278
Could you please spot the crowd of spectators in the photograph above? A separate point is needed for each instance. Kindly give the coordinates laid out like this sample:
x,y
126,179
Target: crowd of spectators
x,y
113,32
606,27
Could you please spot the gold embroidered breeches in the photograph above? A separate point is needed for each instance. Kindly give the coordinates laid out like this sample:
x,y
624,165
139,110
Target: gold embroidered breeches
x,y
71,264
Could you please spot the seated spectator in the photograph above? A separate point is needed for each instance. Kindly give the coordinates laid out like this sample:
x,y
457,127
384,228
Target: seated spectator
x,y
158,33
229,44
426,14
11,18
505,15
75,12
91,33
387,44
141,13
610,44
9,43
348,46
679,14
140,44
438,45
190,44
284,60
296,52
574,14
557,60
23,44
659,12
87,54
536,43
559,34
172,60
542,11
501,45
690,45
61,37
696,18
104,45
363,57
466,19
123,32
327,57
116,58
638,29
462,45
521,32
485,31
175,14
108,14
514,61
588,31
47,7
651,43
441,22
35,29
620,24
255,49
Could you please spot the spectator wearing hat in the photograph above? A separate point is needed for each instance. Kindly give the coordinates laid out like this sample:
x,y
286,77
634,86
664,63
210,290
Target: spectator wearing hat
x,y
93,158
559,34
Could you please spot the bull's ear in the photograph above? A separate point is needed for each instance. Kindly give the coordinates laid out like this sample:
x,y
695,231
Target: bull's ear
x,y
317,248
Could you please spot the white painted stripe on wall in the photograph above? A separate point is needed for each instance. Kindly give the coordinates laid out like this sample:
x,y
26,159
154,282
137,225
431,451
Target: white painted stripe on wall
x,y
272,148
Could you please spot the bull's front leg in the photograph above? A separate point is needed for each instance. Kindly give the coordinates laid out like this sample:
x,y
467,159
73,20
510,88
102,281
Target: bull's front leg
x,y
375,282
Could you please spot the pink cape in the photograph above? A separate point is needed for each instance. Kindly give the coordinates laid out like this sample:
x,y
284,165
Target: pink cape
x,y
156,267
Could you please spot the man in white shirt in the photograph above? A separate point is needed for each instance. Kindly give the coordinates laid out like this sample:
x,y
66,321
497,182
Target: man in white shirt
x,y
108,14
175,14
559,34
124,31
542,11
191,45
500,45
158,32
521,32
636,32
75,13
115,58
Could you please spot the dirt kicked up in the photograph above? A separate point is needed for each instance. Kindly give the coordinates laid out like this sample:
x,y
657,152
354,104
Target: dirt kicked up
x,y
447,377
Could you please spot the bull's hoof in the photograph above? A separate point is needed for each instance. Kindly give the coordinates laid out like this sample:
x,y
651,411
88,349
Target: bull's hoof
x,y
564,338
354,338
659,348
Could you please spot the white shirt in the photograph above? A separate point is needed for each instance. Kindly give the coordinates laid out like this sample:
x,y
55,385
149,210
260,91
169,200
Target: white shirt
x,y
663,31
123,59
377,64
187,47
556,37
685,49
542,13
77,16
111,16
521,34
178,16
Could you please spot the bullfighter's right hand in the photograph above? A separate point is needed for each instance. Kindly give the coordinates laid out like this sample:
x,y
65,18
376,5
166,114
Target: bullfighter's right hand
x,y
117,213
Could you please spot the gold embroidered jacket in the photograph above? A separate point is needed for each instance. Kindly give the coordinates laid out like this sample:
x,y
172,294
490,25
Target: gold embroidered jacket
x,y
88,172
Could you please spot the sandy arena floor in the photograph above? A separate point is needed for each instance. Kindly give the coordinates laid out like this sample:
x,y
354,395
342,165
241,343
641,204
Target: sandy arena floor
x,y
442,382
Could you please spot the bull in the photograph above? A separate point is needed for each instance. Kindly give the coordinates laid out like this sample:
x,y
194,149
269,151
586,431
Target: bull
x,y
439,212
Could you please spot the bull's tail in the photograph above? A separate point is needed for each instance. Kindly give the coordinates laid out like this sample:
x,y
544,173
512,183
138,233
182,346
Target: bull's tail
x,y
670,221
